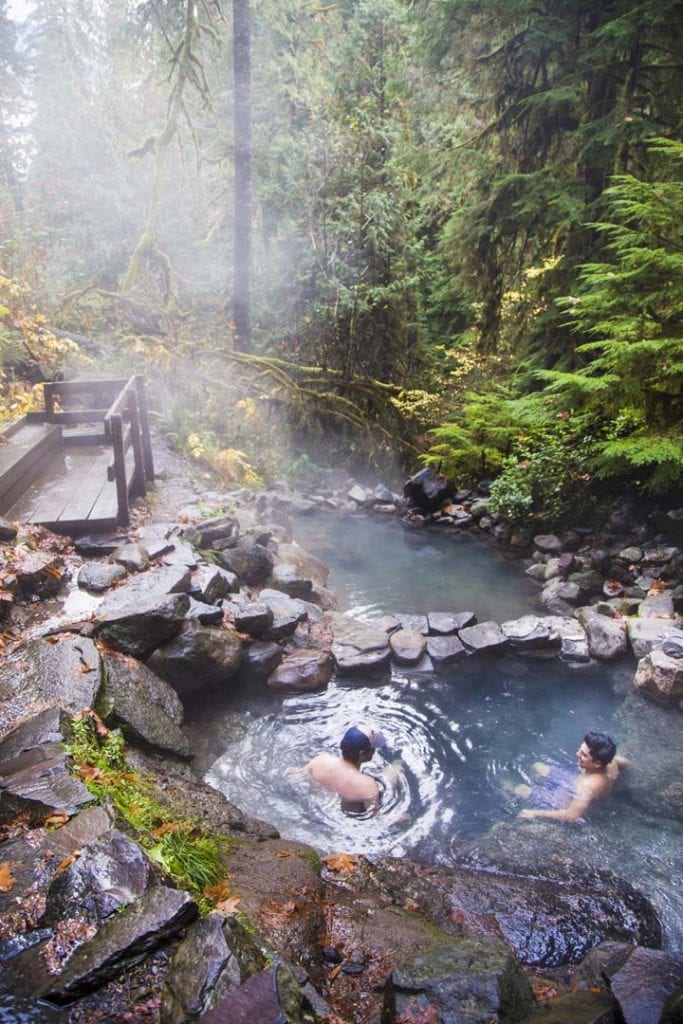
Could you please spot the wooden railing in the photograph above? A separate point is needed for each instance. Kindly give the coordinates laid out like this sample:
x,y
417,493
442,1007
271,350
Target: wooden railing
x,y
119,406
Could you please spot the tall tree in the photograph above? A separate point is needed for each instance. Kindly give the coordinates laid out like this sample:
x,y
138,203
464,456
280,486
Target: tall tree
x,y
241,53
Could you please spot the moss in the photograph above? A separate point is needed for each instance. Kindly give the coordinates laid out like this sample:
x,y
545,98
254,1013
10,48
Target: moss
x,y
314,859
192,856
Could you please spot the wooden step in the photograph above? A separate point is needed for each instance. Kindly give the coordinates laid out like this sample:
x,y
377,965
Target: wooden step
x,y
26,447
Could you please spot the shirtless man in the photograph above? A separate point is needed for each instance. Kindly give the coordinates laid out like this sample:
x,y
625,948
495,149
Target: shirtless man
x,y
359,792
599,767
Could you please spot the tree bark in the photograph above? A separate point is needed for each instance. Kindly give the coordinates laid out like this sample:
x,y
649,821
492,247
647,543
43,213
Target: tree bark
x,y
241,54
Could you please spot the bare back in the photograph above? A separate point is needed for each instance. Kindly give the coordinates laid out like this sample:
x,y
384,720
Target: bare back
x,y
343,778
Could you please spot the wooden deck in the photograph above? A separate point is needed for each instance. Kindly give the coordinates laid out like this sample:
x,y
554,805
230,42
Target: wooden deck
x,y
73,469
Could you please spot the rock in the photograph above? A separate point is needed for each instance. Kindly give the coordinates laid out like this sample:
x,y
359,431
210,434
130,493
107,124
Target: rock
x,y
660,678
382,495
309,566
427,490
389,623
357,645
260,659
204,534
100,576
168,579
38,573
644,983
657,786
407,646
529,632
271,997
108,874
40,790
41,728
210,583
538,571
480,508
443,623
606,636
358,494
123,939
485,636
473,981
647,634
659,606
144,706
548,543
575,1008
62,671
416,623
254,618
302,671
138,628
288,612
199,656
7,531
206,614
559,596
289,579
630,556
572,637
670,522
133,557
252,564
99,545
444,650
658,556
215,957
589,582
673,646
673,1009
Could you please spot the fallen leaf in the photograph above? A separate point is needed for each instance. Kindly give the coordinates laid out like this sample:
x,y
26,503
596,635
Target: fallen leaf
x,y
169,826
56,819
283,853
7,879
334,972
340,862
52,639
89,772
228,906
85,668
68,860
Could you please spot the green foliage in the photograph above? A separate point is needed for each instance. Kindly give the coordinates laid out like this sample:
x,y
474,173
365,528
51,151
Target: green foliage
x,y
191,855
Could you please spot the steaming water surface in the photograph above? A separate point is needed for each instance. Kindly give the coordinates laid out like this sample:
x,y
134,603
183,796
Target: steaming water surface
x,y
458,743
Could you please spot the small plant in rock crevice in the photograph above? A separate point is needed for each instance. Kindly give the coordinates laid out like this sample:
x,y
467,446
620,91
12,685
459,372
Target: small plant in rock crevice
x,y
192,856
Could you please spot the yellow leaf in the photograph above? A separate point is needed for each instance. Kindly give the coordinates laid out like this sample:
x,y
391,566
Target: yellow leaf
x,y
56,819
7,879
340,862
68,860
228,906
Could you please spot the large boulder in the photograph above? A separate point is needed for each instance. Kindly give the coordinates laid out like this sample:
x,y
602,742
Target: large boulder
x,y
60,671
606,636
644,984
139,628
99,576
428,490
659,677
199,656
144,706
484,636
252,563
646,634
303,670
407,646
470,982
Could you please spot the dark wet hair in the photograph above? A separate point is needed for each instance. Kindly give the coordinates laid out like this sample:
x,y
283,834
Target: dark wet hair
x,y
354,743
602,747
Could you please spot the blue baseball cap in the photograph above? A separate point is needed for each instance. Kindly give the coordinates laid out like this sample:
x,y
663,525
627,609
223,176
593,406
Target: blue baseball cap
x,y
358,739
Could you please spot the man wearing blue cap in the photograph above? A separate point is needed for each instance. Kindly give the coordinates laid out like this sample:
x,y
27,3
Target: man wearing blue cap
x,y
359,792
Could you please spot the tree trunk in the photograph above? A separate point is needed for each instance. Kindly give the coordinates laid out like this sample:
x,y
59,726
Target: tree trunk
x,y
241,55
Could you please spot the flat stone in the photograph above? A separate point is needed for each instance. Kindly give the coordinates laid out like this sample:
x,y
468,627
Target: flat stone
x,y
443,650
291,581
658,556
99,545
358,494
144,706
260,659
646,634
528,631
206,614
575,1008
99,576
205,533
559,596
38,573
389,623
357,645
485,636
39,729
444,623
139,626
416,623
538,571
288,612
263,998
122,940
42,790
133,557
309,566
407,646
253,563
548,543
254,618
303,670
659,606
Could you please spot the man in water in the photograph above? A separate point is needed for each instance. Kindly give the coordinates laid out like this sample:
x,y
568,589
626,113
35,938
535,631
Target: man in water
x,y
599,768
343,774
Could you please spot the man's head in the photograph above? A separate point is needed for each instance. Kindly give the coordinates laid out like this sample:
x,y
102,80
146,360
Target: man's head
x,y
359,744
597,750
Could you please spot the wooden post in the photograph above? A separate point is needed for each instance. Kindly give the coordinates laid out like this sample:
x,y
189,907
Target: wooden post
x,y
49,398
144,427
116,421
136,440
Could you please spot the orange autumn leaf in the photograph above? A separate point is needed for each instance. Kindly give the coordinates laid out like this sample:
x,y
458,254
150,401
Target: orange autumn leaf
x,y
334,972
86,667
89,772
228,906
68,860
283,853
56,819
215,893
340,862
169,826
7,879
99,726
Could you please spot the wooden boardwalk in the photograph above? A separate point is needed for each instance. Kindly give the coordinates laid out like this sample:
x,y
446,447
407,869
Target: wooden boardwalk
x,y
59,471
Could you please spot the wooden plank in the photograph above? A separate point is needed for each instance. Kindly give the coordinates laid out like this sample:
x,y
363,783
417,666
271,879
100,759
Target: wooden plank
x,y
90,438
22,458
144,427
23,485
80,387
79,416
91,484
57,489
